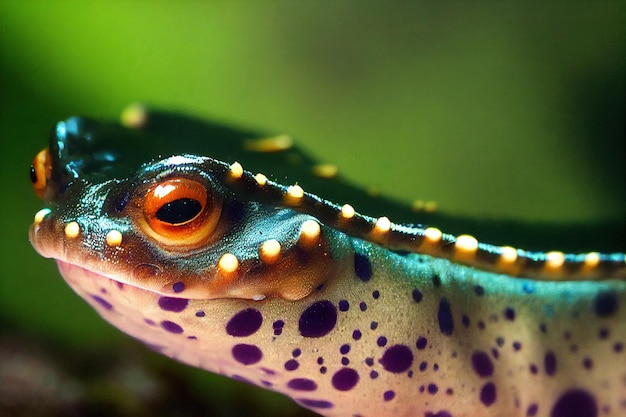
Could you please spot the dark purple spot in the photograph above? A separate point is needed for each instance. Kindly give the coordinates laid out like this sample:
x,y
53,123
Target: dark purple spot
x,y
318,319
266,383
423,366
103,303
495,353
482,364
363,306
302,384
389,395
517,346
436,280
356,335
444,316
479,290
268,371
362,267
465,320
192,338
344,305
296,352
344,349
500,341
320,360
542,328
532,410
171,327
247,354
241,379
375,294
575,403
173,304
432,388
606,303
345,361
345,379
417,295
603,333
397,359
587,363
436,367
200,313
509,314
149,322
323,370
481,325
244,323
381,341
618,347
488,394
374,325
369,361
533,369
442,413
421,343
549,363
314,403
291,365
178,287
278,327
373,374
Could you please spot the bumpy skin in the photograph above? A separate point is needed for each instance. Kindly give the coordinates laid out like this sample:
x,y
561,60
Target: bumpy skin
x,y
344,326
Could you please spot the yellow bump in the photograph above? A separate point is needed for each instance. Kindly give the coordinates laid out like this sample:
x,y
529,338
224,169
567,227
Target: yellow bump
x,y
295,191
433,235
430,206
592,259
347,211
383,224
325,170
72,229
269,251
271,144
113,238
466,243
508,254
236,170
39,216
134,116
260,179
309,233
228,263
555,259
417,205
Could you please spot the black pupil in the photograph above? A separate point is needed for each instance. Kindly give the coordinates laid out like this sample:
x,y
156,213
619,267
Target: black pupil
x,y
179,211
33,174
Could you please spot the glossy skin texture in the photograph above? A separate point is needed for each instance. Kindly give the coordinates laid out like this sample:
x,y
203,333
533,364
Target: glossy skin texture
x,y
348,315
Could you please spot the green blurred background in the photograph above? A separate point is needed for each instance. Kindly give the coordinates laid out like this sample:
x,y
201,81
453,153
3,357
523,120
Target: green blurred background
x,y
492,109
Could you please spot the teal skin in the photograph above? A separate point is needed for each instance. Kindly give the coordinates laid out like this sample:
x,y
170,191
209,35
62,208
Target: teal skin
x,y
179,250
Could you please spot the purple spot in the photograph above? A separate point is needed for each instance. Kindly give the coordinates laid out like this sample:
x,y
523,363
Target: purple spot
x,y
278,327
173,304
479,290
606,303
296,352
618,347
375,294
314,403
509,314
241,379
374,325
432,388
362,267
178,287
397,359
442,413
344,349
247,354
533,369
302,384
444,316
244,323
171,327
417,295
517,346
575,403
149,322
320,360
423,366
356,335
344,305
488,394
345,379
549,363
269,371
532,410
603,334
266,383
318,319
363,306
291,365
481,325
373,374
345,361
369,361
465,320
200,313
421,343
500,341
323,370
192,338
482,364
103,303
381,341
389,395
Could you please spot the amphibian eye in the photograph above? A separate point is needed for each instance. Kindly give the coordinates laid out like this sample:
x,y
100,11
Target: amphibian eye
x,y
180,212
40,172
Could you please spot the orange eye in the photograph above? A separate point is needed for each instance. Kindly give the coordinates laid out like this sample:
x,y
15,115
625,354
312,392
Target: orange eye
x,y
40,171
180,213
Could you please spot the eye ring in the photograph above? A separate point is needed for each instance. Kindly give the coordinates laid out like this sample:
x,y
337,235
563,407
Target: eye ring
x,y
180,213
41,172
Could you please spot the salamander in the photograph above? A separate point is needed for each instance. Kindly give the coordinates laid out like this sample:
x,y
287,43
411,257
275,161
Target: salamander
x,y
183,234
